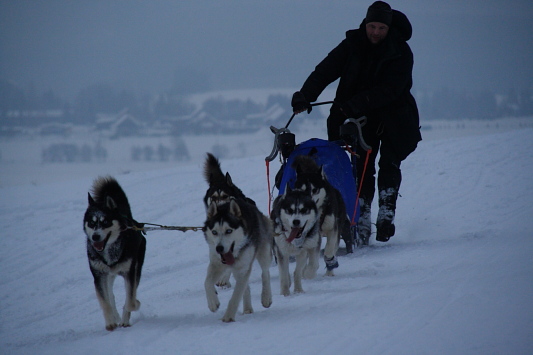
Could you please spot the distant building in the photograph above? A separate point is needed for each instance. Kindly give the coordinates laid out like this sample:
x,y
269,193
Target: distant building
x,y
119,125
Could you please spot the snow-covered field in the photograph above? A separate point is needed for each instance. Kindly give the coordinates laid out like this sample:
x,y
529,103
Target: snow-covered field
x,y
456,278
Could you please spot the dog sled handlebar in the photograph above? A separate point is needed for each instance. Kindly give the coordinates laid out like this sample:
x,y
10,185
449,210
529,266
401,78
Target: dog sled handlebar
x,y
284,139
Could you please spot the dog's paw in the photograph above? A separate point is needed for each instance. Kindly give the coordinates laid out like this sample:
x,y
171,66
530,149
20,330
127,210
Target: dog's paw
x,y
213,304
228,319
111,327
331,263
223,285
133,306
299,290
266,297
266,300
248,311
309,273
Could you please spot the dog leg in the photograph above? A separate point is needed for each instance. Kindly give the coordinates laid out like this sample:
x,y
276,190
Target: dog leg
x,y
313,255
301,259
284,275
104,293
247,301
241,286
330,251
264,257
213,274
132,303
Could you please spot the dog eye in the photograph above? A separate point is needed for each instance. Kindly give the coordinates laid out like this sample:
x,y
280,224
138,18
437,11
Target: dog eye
x,y
229,231
290,211
214,232
315,191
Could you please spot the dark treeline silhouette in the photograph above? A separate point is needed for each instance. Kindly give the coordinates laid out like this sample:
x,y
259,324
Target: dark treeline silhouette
x,y
27,107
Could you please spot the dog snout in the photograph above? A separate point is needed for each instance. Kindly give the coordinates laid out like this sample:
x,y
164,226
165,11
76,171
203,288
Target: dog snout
x,y
220,249
96,237
296,223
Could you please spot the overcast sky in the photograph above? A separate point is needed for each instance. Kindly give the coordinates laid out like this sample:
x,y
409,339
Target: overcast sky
x,y
65,45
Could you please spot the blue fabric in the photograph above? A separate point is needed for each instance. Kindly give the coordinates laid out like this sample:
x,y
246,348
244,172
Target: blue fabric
x,y
335,164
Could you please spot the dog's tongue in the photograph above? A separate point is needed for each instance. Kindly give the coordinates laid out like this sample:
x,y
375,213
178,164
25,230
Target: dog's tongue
x,y
295,233
99,246
228,258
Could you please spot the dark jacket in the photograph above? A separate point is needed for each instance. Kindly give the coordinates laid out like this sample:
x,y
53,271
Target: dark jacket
x,y
375,81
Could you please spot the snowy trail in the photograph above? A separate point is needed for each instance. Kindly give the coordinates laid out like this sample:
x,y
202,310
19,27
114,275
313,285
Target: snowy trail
x,y
455,279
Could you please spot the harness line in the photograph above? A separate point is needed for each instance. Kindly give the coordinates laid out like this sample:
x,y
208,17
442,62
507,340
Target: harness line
x,y
141,228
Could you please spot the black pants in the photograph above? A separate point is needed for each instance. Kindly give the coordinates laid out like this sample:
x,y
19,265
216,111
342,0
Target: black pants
x,y
389,174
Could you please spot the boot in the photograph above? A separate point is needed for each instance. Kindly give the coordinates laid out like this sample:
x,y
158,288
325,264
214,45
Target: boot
x,y
387,208
363,225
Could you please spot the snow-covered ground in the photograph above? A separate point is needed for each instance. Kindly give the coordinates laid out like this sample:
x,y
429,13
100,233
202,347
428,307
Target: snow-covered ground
x,y
456,278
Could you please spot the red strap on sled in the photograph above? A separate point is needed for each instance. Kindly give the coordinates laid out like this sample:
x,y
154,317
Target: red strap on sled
x,y
368,152
268,185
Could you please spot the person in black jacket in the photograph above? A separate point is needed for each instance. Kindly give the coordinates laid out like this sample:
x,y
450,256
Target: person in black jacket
x,y
374,64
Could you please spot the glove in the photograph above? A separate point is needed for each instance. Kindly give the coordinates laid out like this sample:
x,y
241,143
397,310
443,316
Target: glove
x,y
299,103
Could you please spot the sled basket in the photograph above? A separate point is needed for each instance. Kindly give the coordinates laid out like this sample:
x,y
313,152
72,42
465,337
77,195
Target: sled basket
x,y
339,169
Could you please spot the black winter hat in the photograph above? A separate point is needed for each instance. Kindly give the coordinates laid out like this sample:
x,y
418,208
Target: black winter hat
x,y
379,11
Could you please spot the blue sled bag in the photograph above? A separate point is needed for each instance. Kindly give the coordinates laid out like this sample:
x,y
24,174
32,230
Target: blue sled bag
x,y
336,165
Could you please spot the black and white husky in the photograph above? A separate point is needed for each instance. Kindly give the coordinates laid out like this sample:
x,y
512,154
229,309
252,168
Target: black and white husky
x,y
333,219
113,248
295,218
237,234
221,189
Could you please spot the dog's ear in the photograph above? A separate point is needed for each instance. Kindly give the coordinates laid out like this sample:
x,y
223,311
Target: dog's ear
x,y
298,169
110,203
234,208
287,188
321,172
228,180
91,200
211,210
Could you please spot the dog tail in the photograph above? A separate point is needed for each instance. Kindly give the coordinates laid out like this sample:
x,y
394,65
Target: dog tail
x,y
212,172
107,186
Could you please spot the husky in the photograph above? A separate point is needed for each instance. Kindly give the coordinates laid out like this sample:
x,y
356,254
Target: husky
x,y
113,248
333,220
221,190
295,219
237,234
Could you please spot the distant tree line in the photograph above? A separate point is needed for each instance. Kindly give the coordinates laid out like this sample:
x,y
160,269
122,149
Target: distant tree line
x,y
484,104
71,153
25,106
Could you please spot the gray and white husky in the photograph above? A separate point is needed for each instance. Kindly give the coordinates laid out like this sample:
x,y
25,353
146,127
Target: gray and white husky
x,y
113,248
295,218
237,233
333,219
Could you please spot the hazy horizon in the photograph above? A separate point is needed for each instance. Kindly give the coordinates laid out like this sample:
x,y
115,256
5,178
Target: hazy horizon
x,y
64,46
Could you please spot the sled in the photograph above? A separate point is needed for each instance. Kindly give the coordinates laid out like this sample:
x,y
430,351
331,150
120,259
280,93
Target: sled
x,y
336,159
